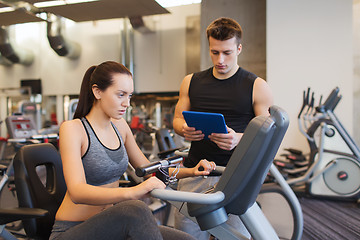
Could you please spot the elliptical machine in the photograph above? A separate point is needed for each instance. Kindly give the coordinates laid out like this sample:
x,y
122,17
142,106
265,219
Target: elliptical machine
x,y
333,169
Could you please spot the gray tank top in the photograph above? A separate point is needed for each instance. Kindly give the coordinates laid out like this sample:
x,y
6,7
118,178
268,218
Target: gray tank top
x,y
103,165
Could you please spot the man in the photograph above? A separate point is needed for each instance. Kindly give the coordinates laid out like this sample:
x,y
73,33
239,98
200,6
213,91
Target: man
x,y
224,88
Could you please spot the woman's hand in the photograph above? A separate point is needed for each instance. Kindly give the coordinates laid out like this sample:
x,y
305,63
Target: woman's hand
x,y
205,168
153,183
144,188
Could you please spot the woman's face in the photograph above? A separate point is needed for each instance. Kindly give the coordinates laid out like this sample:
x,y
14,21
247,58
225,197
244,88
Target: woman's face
x,y
116,98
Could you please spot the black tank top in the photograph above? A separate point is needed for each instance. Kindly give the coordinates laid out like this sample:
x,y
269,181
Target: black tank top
x,y
232,97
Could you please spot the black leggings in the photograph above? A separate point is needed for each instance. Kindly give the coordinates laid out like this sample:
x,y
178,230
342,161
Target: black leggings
x,y
126,220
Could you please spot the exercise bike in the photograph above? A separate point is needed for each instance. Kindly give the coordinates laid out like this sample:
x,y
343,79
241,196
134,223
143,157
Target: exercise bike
x,y
333,169
241,182
21,130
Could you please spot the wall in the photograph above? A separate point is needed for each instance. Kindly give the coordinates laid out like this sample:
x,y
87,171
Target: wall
x,y
309,44
159,56
356,41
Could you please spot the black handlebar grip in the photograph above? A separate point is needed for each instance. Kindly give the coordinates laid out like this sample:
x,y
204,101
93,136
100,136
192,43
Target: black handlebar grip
x,y
312,100
307,96
305,101
320,101
329,101
147,169
212,173
154,166
335,103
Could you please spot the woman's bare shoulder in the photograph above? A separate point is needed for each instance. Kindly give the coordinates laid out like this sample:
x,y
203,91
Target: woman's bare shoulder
x,y
74,126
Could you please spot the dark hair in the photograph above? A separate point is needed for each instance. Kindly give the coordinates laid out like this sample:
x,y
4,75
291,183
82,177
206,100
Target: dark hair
x,y
224,29
100,75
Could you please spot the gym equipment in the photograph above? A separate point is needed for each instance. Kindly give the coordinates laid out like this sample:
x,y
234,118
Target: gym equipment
x,y
72,108
22,131
239,185
20,126
334,159
3,142
32,109
277,200
294,164
37,199
281,206
165,143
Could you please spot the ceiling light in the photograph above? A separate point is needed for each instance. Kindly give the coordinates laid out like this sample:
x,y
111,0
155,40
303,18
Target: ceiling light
x,y
60,3
49,4
6,9
174,3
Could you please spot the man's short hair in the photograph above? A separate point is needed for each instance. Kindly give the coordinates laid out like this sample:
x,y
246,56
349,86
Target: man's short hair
x,y
223,29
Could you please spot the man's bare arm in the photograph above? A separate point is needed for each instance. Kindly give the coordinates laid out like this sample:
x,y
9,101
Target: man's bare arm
x,y
262,97
183,104
179,124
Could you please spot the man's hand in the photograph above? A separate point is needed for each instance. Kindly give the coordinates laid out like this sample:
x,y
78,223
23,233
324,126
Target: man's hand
x,y
191,134
226,141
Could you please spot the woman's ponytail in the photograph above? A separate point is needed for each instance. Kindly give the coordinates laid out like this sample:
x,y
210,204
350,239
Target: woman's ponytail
x,y
86,97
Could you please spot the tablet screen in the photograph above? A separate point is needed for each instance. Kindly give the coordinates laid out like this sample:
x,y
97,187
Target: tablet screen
x,y
206,122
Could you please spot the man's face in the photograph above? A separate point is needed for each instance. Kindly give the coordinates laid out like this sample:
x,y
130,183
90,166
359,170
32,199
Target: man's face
x,y
224,56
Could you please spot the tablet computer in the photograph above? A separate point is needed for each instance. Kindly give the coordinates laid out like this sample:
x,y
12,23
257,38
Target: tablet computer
x,y
206,122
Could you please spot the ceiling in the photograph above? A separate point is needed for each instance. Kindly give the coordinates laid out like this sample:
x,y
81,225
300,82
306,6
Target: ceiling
x,y
87,11
17,16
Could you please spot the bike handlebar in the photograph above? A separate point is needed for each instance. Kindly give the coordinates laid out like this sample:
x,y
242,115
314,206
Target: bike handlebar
x,y
154,166
306,97
330,102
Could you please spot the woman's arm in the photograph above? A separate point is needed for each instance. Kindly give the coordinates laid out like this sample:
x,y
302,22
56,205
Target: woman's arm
x,y
137,158
71,141
206,166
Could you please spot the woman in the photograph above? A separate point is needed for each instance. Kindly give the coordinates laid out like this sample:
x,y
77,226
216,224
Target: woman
x,y
95,149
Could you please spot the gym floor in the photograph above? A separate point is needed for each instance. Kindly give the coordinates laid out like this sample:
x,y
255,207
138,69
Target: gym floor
x,y
330,219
